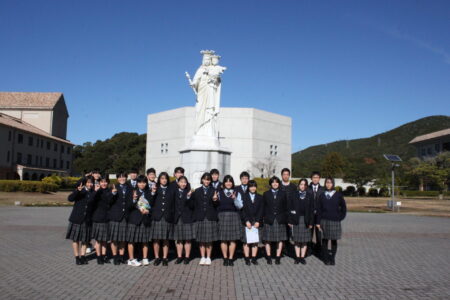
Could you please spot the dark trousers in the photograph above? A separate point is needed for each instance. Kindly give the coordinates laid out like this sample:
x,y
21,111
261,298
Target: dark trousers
x,y
318,240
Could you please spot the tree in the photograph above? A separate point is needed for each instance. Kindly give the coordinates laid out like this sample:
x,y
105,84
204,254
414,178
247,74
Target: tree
x,y
359,173
265,167
333,165
431,171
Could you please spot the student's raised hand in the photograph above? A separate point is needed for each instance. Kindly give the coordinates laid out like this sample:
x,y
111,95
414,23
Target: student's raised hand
x,y
290,225
114,189
318,226
256,225
190,193
249,225
310,226
154,189
97,187
215,197
233,196
135,195
80,187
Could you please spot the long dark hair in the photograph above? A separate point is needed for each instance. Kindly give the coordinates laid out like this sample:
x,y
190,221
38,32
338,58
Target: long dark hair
x,y
226,179
165,174
207,176
305,181
325,183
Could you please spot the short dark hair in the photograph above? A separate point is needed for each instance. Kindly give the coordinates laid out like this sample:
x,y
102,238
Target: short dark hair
x,y
88,178
141,178
314,173
178,169
121,174
273,179
151,170
182,177
104,178
285,170
95,170
252,183
226,179
207,176
244,174
214,171
163,174
134,171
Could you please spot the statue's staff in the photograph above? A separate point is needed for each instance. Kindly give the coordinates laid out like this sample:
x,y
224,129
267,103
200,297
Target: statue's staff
x,y
191,83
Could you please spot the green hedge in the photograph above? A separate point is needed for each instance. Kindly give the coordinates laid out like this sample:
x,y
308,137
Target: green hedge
x,y
27,186
419,193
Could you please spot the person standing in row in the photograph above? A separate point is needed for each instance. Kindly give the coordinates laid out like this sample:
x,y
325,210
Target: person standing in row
x,y
133,179
301,220
216,184
331,210
252,216
177,173
151,178
315,190
275,219
244,177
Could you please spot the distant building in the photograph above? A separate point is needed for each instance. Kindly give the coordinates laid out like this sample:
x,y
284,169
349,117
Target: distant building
x,y
431,144
33,129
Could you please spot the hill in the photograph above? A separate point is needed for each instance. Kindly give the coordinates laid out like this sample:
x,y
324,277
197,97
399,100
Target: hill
x,y
371,149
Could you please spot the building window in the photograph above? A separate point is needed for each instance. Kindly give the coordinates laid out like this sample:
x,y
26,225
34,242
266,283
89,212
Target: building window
x,y
29,159
8,156
61,164
54,163
48,145
36,160
273,150
20,138
423,152
68,149
164,148
67,164
437,148
9,136
429,151
30,141
55,147
40,161
47,162
62,149
19,158
42,143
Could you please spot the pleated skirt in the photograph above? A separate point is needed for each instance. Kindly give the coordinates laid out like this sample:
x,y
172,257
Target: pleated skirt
x,y
230,226
118,231
332,230
183,231
275,232
100,232
301,233
160,230
79,232
206,231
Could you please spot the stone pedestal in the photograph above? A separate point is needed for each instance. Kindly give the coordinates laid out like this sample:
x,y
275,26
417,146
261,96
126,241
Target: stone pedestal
x,y
197,160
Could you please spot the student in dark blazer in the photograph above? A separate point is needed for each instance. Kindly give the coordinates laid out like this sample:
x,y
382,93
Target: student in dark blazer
x,y
117,216
315,190
133,178
243,187
183,219
102,200
205,214
162,218
151,177
177,173
331,210
252,216
275,219
79,229
138,229
301,220
215,175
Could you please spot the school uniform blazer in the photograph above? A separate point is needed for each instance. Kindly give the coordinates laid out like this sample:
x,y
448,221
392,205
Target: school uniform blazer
x,y
182,206
275,209
174,185
240,190
218,187
301,207
135,216
162,205
102,200
135,187
204,206
333,209
289,189
120,203
253,211
315,196
82,207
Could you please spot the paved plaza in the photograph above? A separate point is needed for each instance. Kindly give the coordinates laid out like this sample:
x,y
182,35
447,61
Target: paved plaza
x,y
382,256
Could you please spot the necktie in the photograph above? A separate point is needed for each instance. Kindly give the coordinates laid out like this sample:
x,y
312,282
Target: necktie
x,y
244,188
228,193
328,196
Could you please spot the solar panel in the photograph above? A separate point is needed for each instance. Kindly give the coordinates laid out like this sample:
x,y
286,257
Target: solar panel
x,y
392,157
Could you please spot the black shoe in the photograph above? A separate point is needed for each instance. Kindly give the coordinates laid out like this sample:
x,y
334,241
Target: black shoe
x,y
187,260
296,261
165,262
100,260
278,260
78,260
254,261
247,261
302,260
269,260
106,259
332,262
230,262
116,260
84,260
123,260
179,260
225,262
157,262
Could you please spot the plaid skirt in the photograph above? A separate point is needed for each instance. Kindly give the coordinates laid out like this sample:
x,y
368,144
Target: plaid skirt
x,y
275,232
230,226
206,231
100,232
244,235
183,231
138,233
160,230
332,230
118,231
301,233
79,232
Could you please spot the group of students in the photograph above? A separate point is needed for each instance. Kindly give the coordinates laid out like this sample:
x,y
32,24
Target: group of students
x,y
217,211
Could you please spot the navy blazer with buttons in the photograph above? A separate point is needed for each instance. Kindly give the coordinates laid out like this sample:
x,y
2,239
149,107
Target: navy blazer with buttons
x,y
162,205
120,203
301,207
82,207
253,211
275,208
204,205
135,216
102,200
182,206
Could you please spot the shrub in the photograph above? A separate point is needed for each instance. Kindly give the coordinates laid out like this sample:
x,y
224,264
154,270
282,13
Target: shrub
x,y
419,193
383,192
27,186
361,191
373,192
350,191
53,179
338,188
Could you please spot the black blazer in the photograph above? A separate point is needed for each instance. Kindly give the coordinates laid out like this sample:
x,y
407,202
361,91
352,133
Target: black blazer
x,y
182,206
82,207
240,190
219,185
135,216
315,196
253,211
301,207
290,189
204,206
131,185
102,200
162,205
275,208
120,203
333,209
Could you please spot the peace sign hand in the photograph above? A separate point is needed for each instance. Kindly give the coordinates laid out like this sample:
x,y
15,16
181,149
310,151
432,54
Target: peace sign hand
x,y
80,187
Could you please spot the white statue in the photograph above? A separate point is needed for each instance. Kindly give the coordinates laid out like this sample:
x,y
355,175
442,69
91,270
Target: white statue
x,y
207,86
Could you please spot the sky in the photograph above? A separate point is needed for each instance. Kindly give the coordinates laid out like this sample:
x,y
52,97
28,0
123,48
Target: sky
x,y
339,69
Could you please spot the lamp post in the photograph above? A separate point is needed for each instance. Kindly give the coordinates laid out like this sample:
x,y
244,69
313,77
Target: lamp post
x,y
393,159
